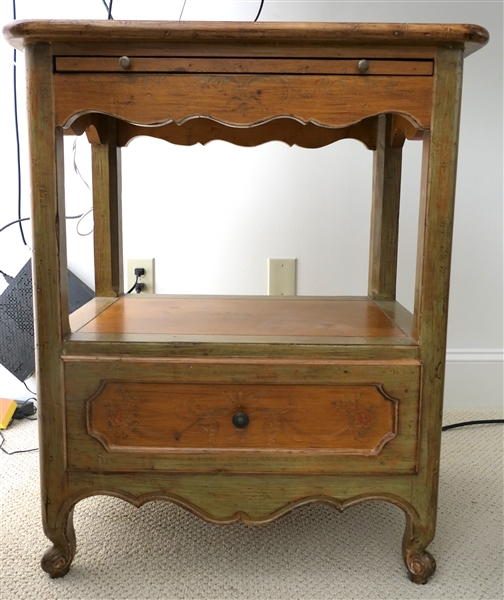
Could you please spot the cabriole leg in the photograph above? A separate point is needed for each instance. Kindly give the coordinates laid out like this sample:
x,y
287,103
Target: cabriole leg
x,y
419,563
57,559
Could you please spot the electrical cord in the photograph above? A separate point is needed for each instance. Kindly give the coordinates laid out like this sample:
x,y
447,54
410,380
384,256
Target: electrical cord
x,y
260,9
133,286
14,222
183,8
445,428
182,11
8,278
109,9
464,423
83,215
29,219
16,127
80,217
31,392
14,451
25,410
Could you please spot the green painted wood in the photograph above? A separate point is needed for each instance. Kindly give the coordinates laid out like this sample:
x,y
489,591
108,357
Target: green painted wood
x,y
255,487
387,161
432,285
400,315
92,345
255,499
228,378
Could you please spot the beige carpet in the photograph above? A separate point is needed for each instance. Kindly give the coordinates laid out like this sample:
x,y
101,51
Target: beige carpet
x,y
162,551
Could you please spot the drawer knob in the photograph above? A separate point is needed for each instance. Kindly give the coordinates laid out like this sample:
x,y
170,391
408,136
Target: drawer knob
x,y
363,65
240,420
125,62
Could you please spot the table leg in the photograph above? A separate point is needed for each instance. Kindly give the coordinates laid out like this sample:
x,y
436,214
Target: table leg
x,y
432,284
106,161
50,300
387,161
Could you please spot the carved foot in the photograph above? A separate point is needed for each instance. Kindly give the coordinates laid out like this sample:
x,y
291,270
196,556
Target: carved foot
x,y
417,536
420,566
55,562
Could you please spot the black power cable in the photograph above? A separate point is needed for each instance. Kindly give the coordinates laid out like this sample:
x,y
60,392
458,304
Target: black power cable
x,y
464,423
31,391
8,278
29,218
14,451
109,9
260,9
133,286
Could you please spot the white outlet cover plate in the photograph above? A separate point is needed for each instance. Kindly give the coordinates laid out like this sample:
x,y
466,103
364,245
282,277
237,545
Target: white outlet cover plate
x,y
282,276
147,279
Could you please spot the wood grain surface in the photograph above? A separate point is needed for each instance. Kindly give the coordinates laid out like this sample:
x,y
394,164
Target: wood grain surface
x,y
259,316
383,247
127,416
122,414
330,100
349,34
110,64
289,131
345,403
107,212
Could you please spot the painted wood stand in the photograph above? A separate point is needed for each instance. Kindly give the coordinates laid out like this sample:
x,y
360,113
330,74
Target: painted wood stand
x,y
242,408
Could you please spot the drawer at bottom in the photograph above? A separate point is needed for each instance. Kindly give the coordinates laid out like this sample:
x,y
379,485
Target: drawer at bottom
x,y
242,416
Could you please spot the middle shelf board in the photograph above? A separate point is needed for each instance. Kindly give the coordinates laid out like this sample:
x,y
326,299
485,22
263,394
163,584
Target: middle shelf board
x,y
347,320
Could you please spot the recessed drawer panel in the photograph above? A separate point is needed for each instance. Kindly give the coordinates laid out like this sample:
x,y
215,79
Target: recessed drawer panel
x,y
345,419
139,64
242,415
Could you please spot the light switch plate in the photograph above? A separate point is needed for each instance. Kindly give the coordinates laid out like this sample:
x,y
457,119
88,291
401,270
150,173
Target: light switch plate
x,y
147,279
282,276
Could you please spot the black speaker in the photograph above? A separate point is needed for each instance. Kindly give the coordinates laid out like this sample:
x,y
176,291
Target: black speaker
x,y
17,339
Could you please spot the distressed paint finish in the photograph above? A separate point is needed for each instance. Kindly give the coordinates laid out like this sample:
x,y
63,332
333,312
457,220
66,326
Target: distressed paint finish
x,y
437,202
106,168
50,298
112,385
291,365
387,161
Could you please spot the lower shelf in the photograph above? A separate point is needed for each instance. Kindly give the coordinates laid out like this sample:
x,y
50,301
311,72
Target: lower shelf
x,y
251,319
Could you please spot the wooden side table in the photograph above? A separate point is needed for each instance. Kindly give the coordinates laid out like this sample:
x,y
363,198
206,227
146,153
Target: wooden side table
x,y
243,408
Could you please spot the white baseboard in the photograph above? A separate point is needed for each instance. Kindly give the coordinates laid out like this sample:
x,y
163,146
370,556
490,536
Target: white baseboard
x,y
474,379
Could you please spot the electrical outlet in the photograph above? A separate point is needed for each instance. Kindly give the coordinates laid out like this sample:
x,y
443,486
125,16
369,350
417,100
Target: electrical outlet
x,y
282,276
147,279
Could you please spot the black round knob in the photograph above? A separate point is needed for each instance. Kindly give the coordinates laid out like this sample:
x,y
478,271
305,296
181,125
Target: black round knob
x,y
240,420
363,65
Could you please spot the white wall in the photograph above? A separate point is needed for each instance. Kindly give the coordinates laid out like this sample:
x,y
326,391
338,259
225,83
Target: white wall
x,y
211,216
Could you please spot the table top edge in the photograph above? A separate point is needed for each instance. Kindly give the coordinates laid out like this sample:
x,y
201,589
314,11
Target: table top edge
x,y
20,33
